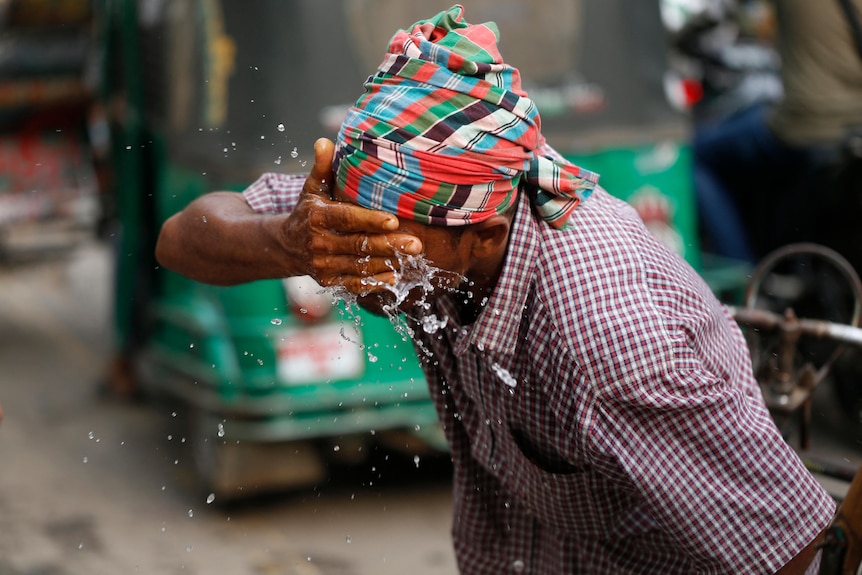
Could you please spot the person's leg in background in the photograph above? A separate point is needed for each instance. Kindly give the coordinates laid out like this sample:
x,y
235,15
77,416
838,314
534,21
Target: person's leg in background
x,y
742,172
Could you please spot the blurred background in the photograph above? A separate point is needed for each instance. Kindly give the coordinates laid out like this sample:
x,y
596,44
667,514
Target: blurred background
x,y
153,424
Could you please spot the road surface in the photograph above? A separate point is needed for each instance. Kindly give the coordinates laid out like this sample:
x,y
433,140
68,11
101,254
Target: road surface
x,y
93,486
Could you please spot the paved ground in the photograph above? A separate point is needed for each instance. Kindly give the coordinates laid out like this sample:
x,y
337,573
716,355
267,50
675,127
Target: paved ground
x,y
90,486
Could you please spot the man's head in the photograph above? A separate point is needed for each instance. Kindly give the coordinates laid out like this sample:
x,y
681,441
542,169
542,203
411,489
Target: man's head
x,y
463,258
445,137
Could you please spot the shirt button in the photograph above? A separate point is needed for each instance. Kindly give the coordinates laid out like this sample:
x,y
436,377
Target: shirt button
x,y
518,566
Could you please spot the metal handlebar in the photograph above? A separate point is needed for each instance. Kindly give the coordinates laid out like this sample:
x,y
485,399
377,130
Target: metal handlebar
x,y
789,323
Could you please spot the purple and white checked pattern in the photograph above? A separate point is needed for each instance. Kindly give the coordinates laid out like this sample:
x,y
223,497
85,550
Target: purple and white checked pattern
x,y
602,414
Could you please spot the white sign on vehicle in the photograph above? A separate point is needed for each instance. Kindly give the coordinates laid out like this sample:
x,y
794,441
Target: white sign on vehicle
x,y
320,353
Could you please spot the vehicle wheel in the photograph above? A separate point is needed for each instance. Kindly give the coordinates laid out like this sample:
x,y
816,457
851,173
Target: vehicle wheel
x,y
816,283
230,469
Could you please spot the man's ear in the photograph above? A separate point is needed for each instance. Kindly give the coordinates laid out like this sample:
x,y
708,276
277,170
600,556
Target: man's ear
x,y
490,237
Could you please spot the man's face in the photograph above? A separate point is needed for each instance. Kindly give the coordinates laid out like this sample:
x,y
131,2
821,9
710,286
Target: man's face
x,y
441,269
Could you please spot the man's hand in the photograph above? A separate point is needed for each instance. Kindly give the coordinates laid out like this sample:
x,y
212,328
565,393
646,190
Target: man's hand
x,y
219,239
342,243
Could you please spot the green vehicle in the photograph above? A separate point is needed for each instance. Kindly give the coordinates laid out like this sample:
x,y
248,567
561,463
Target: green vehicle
x,y
215,92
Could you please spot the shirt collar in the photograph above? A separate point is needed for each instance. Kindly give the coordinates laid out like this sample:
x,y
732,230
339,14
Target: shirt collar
x,y
497,327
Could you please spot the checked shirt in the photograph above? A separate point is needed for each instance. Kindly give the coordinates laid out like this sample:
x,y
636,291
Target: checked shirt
x,y
602,413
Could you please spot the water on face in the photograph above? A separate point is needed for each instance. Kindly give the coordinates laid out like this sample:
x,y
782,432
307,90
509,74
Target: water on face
x,y
415,277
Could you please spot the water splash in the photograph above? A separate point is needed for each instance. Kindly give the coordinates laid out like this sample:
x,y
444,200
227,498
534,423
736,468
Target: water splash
x,y
504,375
431,324
414,274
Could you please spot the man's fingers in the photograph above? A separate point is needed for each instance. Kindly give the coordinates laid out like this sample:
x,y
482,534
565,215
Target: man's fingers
x,y
342,265
362,285
345,218
360,245
381,244
319,181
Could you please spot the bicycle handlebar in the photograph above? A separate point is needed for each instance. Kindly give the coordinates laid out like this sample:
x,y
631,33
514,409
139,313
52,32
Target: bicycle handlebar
x,y
767,320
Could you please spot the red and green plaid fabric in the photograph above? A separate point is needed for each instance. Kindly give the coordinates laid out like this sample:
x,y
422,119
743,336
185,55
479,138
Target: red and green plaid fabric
x,y
444,134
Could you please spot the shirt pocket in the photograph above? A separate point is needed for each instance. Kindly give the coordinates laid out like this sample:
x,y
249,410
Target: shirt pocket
x,y
558,495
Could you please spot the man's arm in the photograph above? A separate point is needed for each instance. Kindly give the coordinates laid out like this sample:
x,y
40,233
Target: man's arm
x,y
218,238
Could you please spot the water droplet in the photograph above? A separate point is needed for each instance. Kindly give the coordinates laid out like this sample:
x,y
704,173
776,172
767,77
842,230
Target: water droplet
x,y
86,459
336,448
349,539
210,497
294,153
221,429
91,435
276,321
191,513
416,460
372,358
188,548
280,127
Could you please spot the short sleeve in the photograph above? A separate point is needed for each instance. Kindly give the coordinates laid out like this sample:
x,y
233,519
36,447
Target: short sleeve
x,y
714,472
274,193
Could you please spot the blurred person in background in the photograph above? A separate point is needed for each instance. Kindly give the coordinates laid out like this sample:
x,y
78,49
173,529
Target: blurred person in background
x,y
727,48
762,173
598,401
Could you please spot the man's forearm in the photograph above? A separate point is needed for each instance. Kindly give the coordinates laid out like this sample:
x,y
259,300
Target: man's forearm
x,y
218,239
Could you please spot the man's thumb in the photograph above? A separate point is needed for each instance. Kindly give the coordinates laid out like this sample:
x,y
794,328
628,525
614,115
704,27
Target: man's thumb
x,y
320,181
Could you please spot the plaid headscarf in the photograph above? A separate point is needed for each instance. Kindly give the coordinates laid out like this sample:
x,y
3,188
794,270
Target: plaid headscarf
x,y
444,133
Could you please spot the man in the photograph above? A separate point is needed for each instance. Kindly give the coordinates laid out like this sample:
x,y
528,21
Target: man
x,y
598,400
